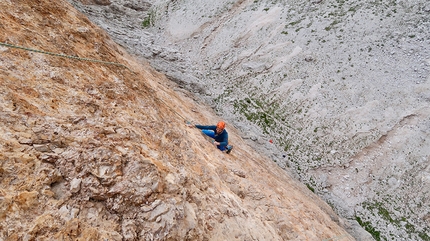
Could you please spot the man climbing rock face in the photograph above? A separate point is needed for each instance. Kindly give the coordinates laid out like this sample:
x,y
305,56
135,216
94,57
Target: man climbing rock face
x,y
219,134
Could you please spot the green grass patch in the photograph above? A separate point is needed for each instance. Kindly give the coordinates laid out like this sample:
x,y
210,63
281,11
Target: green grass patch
x,y
288,145
294,23
368,227
148,21
424,236
264,113
385,214
310,187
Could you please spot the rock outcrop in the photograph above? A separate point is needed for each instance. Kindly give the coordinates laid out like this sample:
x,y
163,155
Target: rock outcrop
x,y
98,151
340,87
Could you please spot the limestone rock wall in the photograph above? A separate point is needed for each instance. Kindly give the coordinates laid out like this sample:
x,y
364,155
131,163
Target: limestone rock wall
x,y
336,92
90,151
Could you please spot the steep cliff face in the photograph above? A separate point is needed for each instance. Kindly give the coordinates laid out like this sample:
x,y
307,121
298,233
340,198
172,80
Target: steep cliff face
x,y
340,87
94,151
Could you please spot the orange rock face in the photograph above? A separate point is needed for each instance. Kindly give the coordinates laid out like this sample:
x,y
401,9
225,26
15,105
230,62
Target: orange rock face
x,y
90,151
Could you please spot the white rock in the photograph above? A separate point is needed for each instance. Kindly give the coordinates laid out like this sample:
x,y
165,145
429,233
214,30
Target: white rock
x,y
75,185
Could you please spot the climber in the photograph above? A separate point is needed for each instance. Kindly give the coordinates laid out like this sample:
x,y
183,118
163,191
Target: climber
x,y
219,134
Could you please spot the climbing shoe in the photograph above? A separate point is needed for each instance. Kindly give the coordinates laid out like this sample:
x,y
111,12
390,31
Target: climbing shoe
x,y
229,148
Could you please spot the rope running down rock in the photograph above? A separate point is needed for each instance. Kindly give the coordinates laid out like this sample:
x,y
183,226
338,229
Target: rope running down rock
x,y
63,55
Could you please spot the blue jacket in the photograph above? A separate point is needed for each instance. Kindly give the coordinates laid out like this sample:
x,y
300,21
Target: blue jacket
x,y
222,138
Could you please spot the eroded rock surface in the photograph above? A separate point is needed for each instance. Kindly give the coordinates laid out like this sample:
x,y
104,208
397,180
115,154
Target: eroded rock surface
x,y
340,87
90,151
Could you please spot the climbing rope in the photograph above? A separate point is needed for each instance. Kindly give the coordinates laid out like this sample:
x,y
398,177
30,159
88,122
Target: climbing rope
x,y
79,58
63,55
